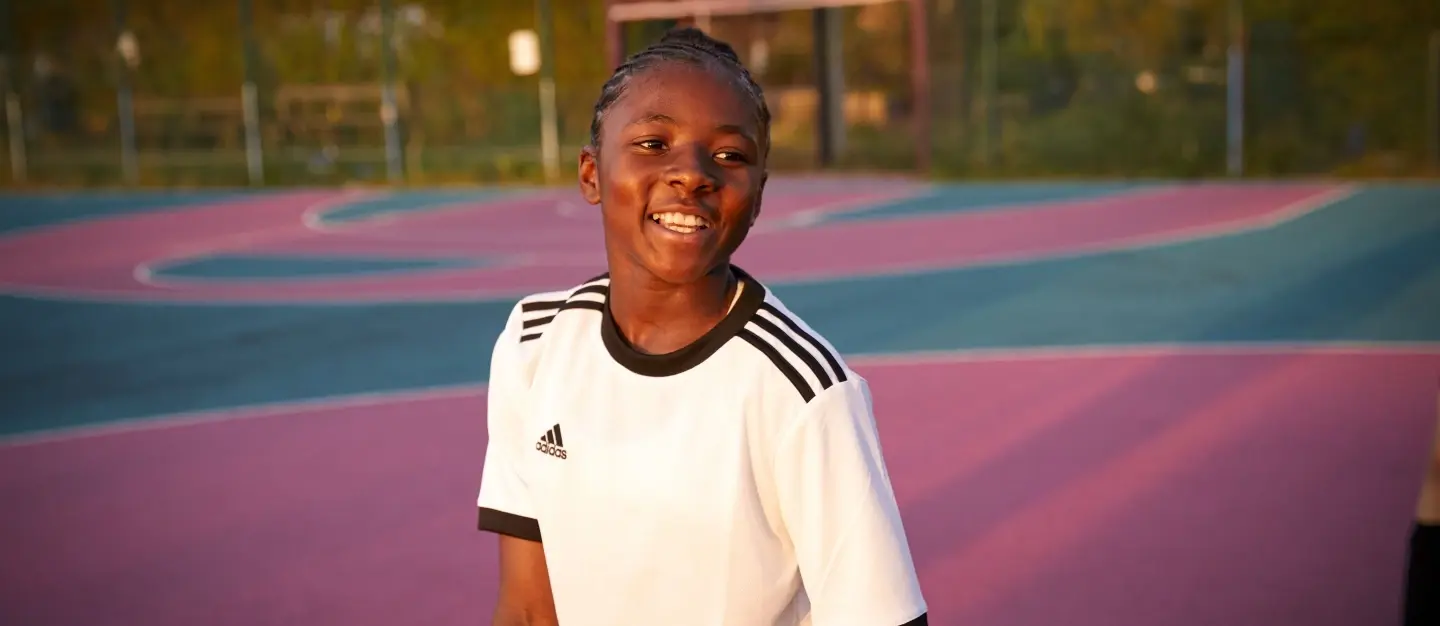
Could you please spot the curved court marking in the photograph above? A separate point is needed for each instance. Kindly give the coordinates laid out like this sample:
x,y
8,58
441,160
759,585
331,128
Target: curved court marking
x,y
783,259
287,408
857,361
1244,225
940,193
318,218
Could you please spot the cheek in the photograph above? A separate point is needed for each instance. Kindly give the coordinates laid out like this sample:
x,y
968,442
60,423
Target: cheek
x,y
744,202
621,185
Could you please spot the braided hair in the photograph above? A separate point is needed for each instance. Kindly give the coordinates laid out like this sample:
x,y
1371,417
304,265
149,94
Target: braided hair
x,y
683,45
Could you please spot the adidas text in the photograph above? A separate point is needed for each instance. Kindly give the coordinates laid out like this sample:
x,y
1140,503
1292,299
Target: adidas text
x,y
550,449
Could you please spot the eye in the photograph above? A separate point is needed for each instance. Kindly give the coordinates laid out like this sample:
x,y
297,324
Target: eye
x,y
732,156
651,144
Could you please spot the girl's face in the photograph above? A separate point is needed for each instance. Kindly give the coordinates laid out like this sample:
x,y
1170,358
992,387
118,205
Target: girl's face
x,y
679,172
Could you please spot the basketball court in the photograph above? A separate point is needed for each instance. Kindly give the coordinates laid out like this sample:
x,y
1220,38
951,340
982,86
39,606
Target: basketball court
x,y
1114,404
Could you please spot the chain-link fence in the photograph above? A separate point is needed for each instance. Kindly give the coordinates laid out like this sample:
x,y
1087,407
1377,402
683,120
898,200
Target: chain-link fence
x,y
178,92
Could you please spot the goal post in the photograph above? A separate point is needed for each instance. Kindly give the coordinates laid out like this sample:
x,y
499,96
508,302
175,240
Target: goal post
x,y
830,91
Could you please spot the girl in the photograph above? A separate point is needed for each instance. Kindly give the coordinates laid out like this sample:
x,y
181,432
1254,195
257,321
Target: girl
x,y
670,445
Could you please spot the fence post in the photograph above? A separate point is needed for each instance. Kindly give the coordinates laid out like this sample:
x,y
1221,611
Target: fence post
x,y
16,124
125,97
1235,92
549,125
389,110
250,98
1432,110
989,24
919,84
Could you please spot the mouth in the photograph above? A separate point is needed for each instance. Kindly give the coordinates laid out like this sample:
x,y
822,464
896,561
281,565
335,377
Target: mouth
x,y
679,222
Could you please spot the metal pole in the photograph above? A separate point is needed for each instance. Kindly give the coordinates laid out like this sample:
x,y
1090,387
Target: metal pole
x,y
920,83
389,110
988,53
250,100
549,125
17,137
1235,93
614,39
125,99
13,114
1433,110
829,83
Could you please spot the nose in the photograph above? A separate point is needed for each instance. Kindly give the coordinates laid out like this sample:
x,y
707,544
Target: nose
x,y
692,171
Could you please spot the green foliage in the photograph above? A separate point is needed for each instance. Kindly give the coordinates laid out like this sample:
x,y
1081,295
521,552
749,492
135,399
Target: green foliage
x,y
1084,87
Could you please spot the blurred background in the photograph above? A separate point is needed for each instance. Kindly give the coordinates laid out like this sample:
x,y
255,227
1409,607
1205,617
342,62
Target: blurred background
x,y
1148,291
291,92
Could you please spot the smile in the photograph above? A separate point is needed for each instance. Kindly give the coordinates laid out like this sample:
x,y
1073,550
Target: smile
x,y
680,222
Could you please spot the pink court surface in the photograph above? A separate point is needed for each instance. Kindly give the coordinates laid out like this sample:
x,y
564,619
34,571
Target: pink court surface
x,y
1115,405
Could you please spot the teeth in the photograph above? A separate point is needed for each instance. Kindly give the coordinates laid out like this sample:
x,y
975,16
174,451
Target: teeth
x,y
680,222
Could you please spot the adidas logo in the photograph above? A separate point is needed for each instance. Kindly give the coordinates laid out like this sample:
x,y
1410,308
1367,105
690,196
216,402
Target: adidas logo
x,y
552,443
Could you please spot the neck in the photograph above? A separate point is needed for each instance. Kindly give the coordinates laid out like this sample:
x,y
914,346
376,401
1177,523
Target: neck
x,y
658,317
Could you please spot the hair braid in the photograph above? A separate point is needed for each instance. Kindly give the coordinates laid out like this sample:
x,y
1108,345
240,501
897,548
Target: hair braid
x,y
685,45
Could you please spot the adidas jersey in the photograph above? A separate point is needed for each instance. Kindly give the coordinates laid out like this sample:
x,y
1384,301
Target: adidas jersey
x,y
738,481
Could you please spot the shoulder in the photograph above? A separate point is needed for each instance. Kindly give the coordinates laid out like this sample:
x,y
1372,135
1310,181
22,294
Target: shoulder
x,y
516,350
795,351
534,313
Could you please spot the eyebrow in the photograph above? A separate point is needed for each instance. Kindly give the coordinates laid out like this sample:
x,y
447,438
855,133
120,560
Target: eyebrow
x,y
653,117
666,119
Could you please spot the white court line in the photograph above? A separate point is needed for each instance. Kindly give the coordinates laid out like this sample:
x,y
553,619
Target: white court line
x,y
170,421
1240,226
1143,350
314,218
964,355
1235,227
144,272
1051,204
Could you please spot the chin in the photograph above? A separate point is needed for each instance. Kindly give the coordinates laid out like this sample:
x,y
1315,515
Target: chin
x,y
680,271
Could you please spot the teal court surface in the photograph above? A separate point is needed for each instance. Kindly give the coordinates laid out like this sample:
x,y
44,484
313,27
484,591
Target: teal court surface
x,y
1102,404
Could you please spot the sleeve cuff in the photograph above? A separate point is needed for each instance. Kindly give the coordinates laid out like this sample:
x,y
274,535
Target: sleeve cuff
x,y
923,620
509,524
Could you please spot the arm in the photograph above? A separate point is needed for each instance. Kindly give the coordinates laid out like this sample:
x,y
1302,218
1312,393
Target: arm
x,y
505,505
525,598
1422,573
1427,511
838,507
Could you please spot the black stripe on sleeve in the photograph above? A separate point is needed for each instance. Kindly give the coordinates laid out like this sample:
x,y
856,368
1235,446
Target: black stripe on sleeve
x,y
603,290
923,620
819,347
541,305
557,305
509,524
800,351
583,304
535,326
539,321
783,365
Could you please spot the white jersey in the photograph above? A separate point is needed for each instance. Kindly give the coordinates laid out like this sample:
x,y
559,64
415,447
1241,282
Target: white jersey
x,y
737,481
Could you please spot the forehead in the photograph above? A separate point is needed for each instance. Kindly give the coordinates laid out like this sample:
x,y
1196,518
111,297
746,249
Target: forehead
x,y
688,93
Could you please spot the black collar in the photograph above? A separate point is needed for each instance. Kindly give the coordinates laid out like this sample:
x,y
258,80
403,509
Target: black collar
x,y
673,363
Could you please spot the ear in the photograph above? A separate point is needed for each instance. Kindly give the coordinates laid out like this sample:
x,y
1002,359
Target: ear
x,y
590,174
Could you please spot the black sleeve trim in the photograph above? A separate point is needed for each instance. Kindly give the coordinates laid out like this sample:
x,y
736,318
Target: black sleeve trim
x,y
1422,604
509,524
923,620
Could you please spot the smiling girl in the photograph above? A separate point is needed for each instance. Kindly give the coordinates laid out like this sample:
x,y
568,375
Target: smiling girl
x,y
669,444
